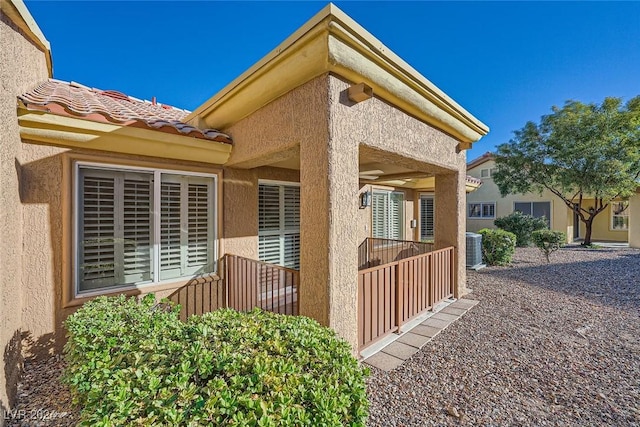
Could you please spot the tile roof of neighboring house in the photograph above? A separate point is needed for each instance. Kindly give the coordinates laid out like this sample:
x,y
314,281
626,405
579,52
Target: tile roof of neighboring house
x,y
109,106
473,180
480,160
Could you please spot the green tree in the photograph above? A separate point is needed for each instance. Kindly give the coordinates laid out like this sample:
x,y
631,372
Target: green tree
x,y
579,151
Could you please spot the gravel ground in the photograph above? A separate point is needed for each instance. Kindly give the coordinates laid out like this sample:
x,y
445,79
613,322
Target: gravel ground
x,y
548,345
42,399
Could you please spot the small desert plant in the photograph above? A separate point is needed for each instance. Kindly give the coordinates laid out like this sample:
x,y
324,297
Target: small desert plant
x,y
498,246
521,225
548,241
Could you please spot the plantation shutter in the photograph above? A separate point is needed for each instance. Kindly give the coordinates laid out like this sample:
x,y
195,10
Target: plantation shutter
x,y
291,249
170,239
388,213
186,225
115,222
396,216
279,224
199,233
427,218
137,224
379,208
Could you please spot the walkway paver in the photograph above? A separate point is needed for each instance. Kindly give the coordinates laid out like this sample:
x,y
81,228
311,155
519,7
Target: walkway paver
x,y
400,350
436,323
384,361
411,341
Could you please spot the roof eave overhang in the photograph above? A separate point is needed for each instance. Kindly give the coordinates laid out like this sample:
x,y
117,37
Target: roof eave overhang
x,y
70,132
332,42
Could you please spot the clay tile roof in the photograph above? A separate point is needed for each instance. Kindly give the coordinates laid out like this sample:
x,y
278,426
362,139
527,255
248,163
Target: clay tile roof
x,y
473,180
110,106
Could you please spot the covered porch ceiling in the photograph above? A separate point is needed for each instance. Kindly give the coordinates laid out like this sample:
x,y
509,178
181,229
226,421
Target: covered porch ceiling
x,y
372,170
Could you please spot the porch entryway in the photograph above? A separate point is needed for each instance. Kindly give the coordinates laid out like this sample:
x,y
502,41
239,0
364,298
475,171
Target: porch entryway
x,y
398,281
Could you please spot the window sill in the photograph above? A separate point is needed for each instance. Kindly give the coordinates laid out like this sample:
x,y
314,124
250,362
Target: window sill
x,y
80,299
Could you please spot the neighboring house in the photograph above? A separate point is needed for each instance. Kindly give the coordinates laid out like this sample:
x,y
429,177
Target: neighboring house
x,y
328,141
486,204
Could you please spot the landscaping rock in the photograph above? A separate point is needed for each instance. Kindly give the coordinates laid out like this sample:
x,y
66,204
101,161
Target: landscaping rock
x,y
548,344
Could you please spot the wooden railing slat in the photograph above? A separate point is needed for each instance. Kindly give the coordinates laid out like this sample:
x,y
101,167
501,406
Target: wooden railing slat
x,y
394,293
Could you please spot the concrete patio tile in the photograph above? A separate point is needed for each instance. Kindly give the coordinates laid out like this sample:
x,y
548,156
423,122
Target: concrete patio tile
x,y
415,340
436,323
427,331
384,361
445,316
400,350
464,303
453,310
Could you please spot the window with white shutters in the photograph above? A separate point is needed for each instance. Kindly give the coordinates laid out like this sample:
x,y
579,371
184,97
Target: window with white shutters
x,y
186,230
279,224
427,217
123,241
388,214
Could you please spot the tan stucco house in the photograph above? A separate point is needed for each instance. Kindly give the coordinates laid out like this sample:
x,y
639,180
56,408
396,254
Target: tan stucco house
x,y
328,143
614,224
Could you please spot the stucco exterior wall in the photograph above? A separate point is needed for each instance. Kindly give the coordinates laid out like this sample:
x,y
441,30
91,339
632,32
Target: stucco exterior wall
x,y
386,134
47,199
561,216
276,131
22,66
634,226
601,228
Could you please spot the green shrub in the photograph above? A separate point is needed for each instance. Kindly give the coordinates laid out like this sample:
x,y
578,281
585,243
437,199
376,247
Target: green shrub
x,y
498,246
521,225
549,241
135,363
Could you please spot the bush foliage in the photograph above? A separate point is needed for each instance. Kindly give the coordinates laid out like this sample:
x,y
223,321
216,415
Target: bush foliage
x,y
498,246
521,225
135,363
549,241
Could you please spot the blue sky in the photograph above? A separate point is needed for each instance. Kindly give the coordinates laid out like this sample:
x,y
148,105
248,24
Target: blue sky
x,y
505,62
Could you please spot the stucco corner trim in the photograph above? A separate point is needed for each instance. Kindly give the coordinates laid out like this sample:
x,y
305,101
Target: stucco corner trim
x,y
18,13
69,132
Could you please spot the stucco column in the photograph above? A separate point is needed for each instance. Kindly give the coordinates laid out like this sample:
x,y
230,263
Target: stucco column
x,y
328,234
450,199
634,221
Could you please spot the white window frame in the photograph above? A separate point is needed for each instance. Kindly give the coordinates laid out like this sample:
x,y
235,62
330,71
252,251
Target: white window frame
x,y
625,215
157,174
482,216
282,230
388,194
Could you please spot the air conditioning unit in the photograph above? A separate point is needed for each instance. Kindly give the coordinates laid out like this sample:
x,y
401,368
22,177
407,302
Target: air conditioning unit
x,y
474,251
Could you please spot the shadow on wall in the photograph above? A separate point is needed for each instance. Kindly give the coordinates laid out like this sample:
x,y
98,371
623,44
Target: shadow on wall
x,y
12,362
608,282
41,186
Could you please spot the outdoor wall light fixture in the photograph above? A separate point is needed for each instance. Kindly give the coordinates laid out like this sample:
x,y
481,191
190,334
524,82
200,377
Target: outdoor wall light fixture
x,y
365,199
